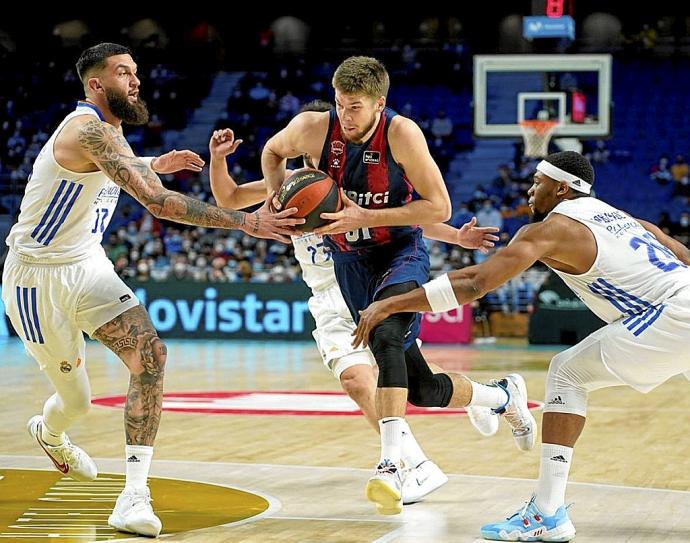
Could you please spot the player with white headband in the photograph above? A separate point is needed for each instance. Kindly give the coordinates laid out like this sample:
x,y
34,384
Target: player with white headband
x,y
627,271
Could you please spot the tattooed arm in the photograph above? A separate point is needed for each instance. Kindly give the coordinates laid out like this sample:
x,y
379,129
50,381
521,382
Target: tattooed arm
x,y
110,152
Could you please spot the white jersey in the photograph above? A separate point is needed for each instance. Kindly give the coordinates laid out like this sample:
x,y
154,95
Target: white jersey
x,y
315,260
633,273
63,214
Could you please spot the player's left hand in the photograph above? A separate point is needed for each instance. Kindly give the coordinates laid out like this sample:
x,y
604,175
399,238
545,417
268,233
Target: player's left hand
x,y
350,217
369,318
174,161
471,236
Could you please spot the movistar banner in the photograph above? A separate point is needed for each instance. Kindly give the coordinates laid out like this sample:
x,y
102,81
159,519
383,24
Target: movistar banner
x,y
190,310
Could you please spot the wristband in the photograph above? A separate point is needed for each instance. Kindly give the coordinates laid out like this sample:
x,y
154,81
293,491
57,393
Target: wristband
x,y
439,293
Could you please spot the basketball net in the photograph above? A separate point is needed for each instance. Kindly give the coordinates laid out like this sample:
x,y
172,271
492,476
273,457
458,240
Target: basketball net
x,y
536,135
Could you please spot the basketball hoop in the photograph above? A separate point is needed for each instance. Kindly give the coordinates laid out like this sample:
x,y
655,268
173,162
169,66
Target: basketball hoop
x,y
537,134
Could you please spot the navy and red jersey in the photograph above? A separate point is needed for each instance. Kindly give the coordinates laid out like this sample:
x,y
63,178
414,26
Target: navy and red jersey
x,y
370,177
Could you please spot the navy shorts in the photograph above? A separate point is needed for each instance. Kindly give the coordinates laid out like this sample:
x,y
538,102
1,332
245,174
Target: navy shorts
x,y
363,274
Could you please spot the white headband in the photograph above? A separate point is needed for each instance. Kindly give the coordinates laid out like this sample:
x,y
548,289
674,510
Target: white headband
x,y
573,181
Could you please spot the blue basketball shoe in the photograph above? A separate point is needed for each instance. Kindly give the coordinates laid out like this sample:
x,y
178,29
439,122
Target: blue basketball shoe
x,y
529,524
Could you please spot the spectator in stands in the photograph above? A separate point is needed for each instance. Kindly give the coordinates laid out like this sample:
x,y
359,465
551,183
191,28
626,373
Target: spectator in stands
x,y
504,179
488,215
680,169
288,106
442,126
461,215
601,153
660,172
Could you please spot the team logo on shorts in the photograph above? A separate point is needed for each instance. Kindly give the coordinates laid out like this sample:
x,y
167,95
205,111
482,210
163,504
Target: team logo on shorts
x,y
65,367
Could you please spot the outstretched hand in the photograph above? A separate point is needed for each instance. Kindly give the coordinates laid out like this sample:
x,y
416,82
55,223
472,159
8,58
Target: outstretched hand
x,y
369,319
350,217
174,161
471,236
223,143
264,223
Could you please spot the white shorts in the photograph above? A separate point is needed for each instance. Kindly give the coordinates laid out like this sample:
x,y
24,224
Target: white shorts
x,y
659,352
615,356
333,334
50,305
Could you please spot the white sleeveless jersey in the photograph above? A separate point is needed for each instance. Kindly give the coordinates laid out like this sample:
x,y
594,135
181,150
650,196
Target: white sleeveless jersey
x,y
633,273
315,260
63,214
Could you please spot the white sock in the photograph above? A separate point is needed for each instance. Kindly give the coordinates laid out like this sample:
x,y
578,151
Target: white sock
x,y
49,437
391,438
411,453
553,477
488,395
138,460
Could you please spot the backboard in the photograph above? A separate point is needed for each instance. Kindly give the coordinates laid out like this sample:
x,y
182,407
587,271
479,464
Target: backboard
x,y
574,90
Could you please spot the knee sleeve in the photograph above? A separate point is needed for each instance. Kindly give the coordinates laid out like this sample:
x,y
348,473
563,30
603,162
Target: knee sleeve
x,y
425,388
564,390
71,401
573,374
388,338
387,344
433,392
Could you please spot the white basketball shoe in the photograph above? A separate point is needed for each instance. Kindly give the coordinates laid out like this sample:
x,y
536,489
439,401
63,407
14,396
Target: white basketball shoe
x,y
385,488
483,419
516,411
67,457
421,481
133,513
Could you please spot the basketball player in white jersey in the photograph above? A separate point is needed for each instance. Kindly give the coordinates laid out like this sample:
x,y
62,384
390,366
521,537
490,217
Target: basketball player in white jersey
x,y
353,367
58,282
627,271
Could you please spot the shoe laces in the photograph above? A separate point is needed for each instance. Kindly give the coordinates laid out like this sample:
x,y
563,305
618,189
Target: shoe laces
x,y
65,449
522,513
70,452
140,499
511,412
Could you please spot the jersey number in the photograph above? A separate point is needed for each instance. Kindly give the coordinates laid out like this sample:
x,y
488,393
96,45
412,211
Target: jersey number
x,y
658,254
314,250
101,216
355,235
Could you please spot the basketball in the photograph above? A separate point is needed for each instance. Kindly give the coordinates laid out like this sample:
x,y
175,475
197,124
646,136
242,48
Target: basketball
x,y
312,192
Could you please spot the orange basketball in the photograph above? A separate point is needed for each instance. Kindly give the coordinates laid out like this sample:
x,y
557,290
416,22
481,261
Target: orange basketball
x,y
312,192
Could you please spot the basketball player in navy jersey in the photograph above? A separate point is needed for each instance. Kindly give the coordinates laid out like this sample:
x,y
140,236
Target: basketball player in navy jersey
x,y
355,368
58,282
379,158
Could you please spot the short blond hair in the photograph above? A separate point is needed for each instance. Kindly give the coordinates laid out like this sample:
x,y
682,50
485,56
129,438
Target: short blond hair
x,y
362,75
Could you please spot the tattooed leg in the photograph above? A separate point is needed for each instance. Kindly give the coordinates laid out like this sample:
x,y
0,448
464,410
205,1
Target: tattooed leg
x,y
131,336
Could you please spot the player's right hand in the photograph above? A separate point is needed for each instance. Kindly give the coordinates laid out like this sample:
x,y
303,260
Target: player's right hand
x,y
264,223
223,143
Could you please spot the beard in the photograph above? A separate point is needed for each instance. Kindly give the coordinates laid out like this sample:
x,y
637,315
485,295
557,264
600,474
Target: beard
x,y
538,216
358,137
134,114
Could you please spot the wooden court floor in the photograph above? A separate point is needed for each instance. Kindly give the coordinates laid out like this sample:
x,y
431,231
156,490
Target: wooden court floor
x,y
630,476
